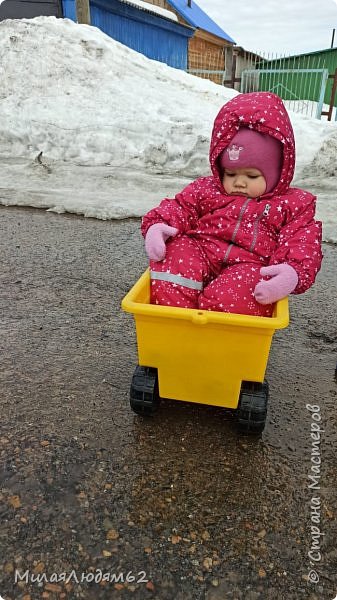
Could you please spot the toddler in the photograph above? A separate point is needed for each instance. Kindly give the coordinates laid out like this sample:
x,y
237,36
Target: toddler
x,y
241,239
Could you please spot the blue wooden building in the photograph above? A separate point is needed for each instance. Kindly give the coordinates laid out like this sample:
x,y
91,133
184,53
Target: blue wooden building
x,y
210,50
156,36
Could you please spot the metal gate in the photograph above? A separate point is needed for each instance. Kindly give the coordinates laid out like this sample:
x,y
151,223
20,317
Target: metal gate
x,y
302,90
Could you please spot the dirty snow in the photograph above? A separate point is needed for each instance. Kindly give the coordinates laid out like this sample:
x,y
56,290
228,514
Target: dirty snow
x,y
89,126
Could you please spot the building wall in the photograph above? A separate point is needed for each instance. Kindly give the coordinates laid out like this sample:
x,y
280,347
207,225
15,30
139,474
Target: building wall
x,y
145,37
156,37
28,9
243,61
206,52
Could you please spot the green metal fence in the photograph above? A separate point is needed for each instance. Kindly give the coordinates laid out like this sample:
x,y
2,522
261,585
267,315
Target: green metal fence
x,y
302,81
302,90
305,82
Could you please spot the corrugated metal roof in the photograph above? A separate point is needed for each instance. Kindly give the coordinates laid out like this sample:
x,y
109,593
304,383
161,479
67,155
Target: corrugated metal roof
x,y
196,17
329,50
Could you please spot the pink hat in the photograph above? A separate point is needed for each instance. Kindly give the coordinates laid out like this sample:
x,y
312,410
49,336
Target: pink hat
x,y
250,149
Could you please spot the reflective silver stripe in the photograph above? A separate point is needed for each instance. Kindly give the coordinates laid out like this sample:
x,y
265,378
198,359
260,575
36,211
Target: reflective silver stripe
x,y
243,208
228,251
189,283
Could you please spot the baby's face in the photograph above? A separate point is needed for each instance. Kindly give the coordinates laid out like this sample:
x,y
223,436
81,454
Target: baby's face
x,y
246,181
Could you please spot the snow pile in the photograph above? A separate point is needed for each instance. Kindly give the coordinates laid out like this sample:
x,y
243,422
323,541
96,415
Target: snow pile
x,y
83,100
325,161
75,94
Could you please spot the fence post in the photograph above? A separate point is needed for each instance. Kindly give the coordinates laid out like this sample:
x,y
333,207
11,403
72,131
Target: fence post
x,y
83,11
328,113
319,111
332,99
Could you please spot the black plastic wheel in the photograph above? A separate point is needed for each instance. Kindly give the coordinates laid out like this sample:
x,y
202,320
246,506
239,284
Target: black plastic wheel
x,y
252,408
144,393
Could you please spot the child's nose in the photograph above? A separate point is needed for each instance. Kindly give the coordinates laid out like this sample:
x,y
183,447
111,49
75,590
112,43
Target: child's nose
x,y
240,181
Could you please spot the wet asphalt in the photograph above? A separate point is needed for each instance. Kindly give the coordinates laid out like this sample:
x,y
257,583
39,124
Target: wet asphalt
x,y
97,502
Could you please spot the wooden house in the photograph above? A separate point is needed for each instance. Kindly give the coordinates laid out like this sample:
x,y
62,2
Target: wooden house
x,y
210,50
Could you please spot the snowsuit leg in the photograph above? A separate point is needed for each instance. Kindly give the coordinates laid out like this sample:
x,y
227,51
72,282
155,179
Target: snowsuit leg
x,y
232,291
179,278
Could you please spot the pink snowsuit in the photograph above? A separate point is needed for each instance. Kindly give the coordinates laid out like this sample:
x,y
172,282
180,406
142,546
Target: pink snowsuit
x,y
214,261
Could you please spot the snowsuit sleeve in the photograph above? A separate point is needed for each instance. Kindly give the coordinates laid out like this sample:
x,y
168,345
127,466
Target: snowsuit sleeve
x,y
300,244
181,212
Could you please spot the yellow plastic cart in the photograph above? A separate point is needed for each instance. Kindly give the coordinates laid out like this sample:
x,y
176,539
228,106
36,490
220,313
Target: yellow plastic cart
x,y
201,356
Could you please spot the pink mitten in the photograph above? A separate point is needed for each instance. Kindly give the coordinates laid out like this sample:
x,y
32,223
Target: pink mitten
x,y
283,281
155,240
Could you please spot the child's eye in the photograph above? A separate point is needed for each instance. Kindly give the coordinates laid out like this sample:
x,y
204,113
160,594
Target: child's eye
x,y
229,174
253,176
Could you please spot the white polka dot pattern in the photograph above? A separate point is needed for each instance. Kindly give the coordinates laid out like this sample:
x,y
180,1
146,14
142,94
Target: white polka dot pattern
x,y
224,239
